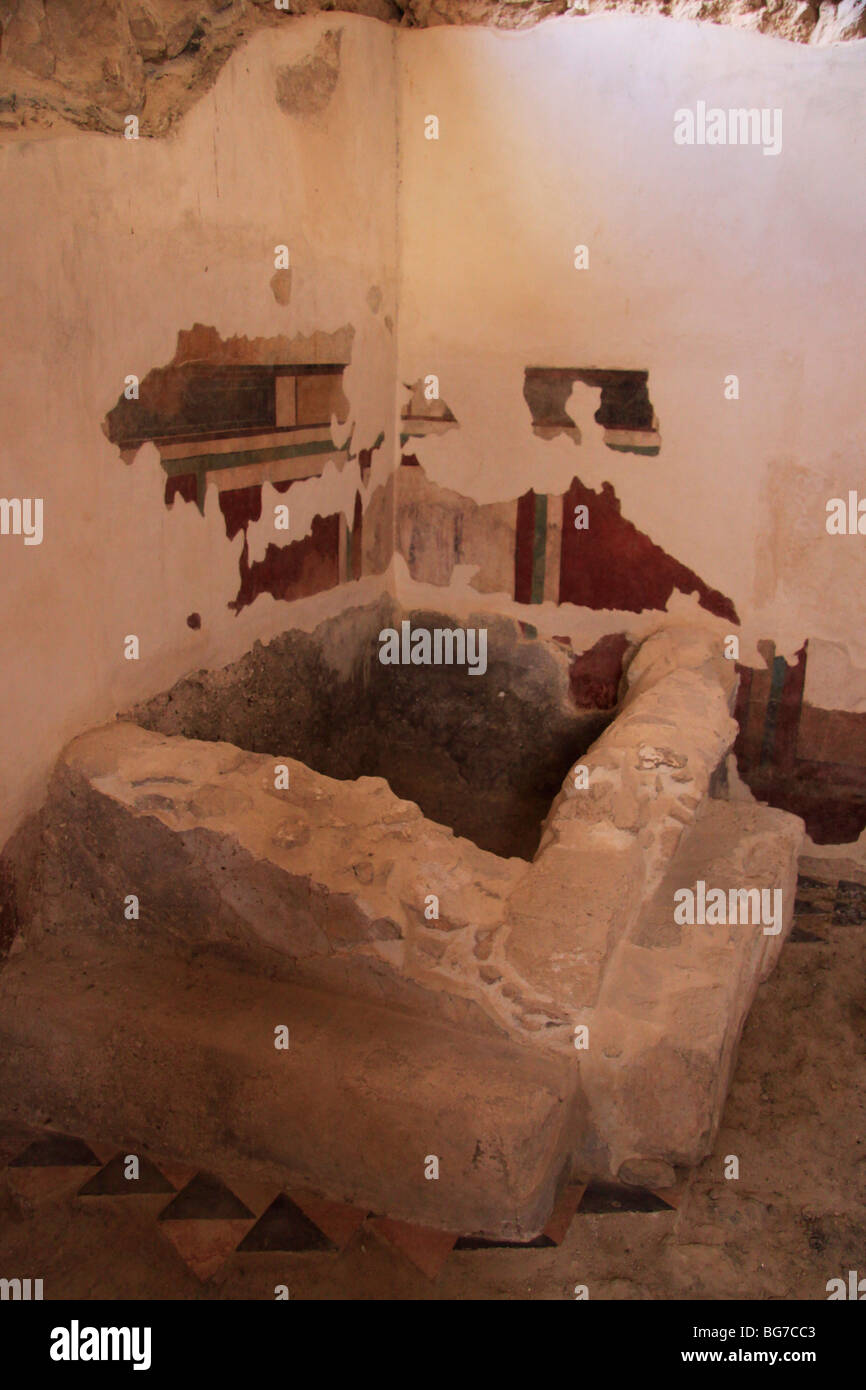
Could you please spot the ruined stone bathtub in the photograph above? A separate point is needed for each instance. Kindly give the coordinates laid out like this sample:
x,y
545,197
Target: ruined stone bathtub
x,y
523,1020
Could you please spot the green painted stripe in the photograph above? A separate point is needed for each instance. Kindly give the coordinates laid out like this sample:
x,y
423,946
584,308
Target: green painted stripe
x,y
539,548
213,463
779,671
650,449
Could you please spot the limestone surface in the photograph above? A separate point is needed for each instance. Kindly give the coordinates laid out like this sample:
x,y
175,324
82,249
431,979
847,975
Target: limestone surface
x,y
88,63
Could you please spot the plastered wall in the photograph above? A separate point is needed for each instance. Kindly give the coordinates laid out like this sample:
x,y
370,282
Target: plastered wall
x,y
110,248
701,262
454,257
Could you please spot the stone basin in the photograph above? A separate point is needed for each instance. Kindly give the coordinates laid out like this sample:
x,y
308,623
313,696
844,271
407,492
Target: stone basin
x,y
526,1019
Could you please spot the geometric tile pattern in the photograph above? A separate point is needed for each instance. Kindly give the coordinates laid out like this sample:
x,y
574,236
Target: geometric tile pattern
x,y
814,897
207,1223
820,905
204,1222
56,1151
285,1227
426,1248
203,1244
111,1181
607,1198
849,908
206,1198
337,1220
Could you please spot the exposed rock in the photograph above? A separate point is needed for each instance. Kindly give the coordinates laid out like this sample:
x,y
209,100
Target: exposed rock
x,y
91,62
148,32
304,89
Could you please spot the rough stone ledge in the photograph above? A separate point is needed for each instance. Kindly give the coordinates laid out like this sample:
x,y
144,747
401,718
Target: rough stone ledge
x,y
328,881
157,58
674,998
324,883
180,1058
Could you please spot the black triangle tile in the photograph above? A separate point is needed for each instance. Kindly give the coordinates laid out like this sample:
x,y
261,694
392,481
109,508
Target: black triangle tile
x,y
813,896
56,1151
541,1242
806,907
848,915
849,909
205,1198
850,888
817,884
285,1227
112,1182
609,1198
802,934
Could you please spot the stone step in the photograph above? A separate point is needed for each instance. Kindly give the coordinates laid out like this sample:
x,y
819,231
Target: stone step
x,y
179,1057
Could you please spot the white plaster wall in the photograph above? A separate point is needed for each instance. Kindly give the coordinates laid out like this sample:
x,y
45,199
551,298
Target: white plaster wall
x,y
109,247
703,262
